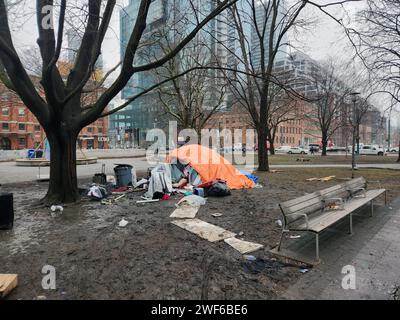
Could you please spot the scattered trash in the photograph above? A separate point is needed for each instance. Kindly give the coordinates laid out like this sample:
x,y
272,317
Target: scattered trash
x,y
326,179
111,180
41,298
123,223
250,258
259,265
147,201
97,193
243,247
141,183
110,202
390,208
295,237
304,270
185,211
216,188
8,282
217,215
199,192
193,200
119,198
120,190
241,234
259,186
204,230
56,208
279,223
277,171
166,197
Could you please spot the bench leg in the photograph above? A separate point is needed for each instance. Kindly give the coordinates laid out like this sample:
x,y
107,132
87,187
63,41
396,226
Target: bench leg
x,y
281,240
372,208
351,223
317,247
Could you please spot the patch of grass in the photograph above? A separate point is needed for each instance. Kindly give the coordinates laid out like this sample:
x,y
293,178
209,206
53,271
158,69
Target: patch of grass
x,y
296,179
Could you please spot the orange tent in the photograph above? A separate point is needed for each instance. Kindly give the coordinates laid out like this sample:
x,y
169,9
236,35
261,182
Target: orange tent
x,y
210,166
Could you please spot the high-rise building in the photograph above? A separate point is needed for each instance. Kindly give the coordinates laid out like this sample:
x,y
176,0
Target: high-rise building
x,y
264,18
74,40
168,21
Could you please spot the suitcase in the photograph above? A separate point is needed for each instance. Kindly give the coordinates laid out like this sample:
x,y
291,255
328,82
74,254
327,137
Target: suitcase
x,y
6,211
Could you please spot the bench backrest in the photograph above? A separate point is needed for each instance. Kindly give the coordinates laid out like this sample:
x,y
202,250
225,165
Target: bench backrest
x,y
314,202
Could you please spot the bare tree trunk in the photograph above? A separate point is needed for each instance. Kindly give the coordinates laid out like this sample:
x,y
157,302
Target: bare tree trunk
x,y
272,147
324,144
271,139
263,161
63,187
398,159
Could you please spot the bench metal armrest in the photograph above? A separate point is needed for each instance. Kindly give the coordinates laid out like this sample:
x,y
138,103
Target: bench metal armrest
x,y
299,215
354,191
339,201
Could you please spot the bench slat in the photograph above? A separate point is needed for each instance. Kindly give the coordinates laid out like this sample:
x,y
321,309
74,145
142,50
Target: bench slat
x,y
328,218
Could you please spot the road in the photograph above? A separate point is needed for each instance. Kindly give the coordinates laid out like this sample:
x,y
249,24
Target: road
x,y
10,173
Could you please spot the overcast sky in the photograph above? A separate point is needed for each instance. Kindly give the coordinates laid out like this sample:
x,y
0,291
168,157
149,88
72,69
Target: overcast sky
x,y
325,39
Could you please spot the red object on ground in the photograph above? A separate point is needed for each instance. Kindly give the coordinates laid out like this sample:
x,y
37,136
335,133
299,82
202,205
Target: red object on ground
x,y
120,190
166,197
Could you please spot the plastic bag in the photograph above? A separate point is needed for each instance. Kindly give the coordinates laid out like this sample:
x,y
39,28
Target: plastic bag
x,y
219,189
193,200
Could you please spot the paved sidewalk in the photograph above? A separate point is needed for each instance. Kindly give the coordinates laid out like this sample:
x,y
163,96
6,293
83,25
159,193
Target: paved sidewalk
x,y
374,251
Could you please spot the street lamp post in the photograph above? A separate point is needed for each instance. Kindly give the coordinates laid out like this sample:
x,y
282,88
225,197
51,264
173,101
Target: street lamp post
x,y
355,133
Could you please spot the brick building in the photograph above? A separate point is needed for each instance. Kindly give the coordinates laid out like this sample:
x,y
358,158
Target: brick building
x,y
19,129
292,132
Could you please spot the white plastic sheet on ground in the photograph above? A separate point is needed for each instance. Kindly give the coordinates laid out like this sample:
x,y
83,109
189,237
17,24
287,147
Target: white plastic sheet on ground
x,y
243,247
185,211
204,230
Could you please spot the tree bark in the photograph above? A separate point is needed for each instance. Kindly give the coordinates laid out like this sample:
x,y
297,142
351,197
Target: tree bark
x,y
63,187
398,159
263,161
271,140
324,144
272,148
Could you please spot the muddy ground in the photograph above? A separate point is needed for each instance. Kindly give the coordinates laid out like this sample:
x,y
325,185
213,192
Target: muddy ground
x,y
151,258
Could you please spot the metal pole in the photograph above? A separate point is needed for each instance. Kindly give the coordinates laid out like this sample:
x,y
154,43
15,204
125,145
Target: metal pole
x,y
353,148
389,132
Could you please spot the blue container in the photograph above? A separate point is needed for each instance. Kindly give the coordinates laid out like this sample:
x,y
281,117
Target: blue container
x,y
31,154
199,192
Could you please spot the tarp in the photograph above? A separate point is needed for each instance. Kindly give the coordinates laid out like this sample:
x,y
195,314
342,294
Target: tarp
x,y
211,166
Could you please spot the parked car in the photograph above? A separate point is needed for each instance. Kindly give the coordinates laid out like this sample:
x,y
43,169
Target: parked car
x,y
336,149
283,149
394,150
349,148
297,150
372,150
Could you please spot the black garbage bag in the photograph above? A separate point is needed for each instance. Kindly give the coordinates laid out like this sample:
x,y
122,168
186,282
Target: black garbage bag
x,y
218,189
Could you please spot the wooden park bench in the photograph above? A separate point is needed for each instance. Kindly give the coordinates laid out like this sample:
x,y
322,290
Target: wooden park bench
x,y
318,211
